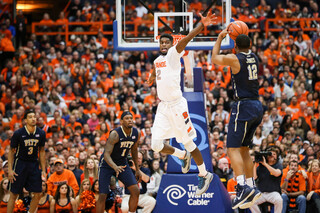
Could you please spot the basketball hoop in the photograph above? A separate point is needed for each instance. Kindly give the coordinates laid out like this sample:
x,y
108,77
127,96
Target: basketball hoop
x,y
176,38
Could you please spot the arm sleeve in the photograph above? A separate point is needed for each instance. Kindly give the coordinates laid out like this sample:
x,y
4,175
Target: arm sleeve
x,y
50,186
14,140
302,184
174,57
73,183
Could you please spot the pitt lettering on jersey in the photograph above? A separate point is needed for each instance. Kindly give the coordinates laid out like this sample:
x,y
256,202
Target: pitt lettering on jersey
x,y
31,142
251,60
161,64
126,144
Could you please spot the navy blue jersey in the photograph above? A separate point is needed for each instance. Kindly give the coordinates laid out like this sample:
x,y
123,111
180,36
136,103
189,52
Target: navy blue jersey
x,y
27,143
121,149
245,83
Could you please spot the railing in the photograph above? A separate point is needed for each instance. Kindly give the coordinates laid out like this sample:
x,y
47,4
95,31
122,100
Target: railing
x,y
98,27
5,9
282,21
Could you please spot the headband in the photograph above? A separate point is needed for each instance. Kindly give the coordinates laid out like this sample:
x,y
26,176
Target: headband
x,y
125,113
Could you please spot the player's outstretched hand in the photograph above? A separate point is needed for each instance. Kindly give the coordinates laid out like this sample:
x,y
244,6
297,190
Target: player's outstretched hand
x,y
209,19
138,176
223,33
119,169
11,176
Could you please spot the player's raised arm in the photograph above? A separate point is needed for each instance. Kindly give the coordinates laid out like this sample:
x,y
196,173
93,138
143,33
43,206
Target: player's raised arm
x,y
224,60
205,21
112,140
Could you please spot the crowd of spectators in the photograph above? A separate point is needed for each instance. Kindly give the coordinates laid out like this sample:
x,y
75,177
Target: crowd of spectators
x,y
79,90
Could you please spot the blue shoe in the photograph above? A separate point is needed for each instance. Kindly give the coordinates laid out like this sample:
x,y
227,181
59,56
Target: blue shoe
x,y
243,193
186,162
252,199
204,183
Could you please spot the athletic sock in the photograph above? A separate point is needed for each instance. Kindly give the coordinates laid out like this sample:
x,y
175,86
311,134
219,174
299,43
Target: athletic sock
x,y
241,180
179,153
202,170
250,182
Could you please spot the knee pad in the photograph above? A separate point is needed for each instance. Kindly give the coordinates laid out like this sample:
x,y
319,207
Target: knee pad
x,y
190,146
157,145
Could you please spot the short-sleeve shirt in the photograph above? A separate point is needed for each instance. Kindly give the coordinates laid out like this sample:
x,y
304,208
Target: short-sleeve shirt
x,y
27,143
168,69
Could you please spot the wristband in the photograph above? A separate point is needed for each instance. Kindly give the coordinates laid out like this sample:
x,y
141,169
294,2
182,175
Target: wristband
x,y
286,179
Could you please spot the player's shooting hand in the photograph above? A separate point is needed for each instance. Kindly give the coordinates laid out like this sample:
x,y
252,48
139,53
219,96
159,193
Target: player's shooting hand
x,y
209,19
138,176
119,169
11,176
223,33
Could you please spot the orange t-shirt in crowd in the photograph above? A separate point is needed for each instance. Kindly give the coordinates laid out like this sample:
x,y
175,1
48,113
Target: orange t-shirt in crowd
x,y
90,179
67,177
231,185
6,45
103,42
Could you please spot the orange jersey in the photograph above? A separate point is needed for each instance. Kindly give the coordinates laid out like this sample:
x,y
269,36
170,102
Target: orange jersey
x,y
3,206
45,207
65,208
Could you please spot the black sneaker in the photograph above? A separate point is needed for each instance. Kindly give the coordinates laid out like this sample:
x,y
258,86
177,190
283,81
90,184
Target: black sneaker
x,y
251,200
243,193
186,162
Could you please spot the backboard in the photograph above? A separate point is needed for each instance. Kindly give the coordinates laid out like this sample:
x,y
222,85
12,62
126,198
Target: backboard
x,y
138,24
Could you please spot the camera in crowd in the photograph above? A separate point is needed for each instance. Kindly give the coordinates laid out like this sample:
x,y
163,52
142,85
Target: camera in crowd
x,y
258,156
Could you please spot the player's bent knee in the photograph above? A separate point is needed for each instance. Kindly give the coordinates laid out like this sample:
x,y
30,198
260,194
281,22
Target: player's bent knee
x,y
190,146
157,145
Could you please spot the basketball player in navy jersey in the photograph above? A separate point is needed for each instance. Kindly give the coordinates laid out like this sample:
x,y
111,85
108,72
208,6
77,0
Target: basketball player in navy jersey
x,y
114,162
23,164
246,115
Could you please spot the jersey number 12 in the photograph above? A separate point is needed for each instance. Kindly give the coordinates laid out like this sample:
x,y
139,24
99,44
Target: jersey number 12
x,y
253,72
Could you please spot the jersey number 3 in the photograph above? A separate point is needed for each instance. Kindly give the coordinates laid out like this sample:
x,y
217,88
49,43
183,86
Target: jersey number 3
x,y
30,150
253,72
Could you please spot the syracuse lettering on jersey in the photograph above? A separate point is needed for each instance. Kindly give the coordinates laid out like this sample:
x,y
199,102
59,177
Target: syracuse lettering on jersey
x,y
31,142
126,144
161,64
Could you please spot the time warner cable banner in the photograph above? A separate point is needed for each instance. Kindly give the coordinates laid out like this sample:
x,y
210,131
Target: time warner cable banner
x,y
177,194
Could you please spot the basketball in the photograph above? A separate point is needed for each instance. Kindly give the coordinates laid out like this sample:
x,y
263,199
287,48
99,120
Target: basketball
x,y
236,28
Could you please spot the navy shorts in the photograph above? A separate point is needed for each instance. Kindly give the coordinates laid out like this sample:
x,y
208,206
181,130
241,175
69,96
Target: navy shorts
x,y
105,172
245,117
29,177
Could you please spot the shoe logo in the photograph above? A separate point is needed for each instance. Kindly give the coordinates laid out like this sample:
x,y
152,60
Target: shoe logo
x,y
239,197
174,192
23,136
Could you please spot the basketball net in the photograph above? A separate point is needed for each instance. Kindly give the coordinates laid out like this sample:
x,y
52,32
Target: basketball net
x,y
188,59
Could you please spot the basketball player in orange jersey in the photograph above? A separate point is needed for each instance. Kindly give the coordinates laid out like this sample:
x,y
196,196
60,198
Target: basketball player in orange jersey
x,y
246,114
172,117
